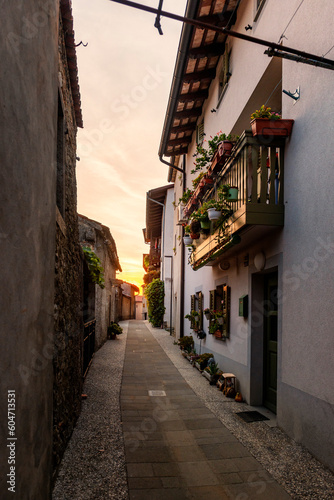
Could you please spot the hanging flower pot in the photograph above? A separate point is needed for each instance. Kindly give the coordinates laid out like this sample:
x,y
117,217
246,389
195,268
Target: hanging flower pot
x,y
207,313
187,240
218,334
233,194
214,214
194,236
205,224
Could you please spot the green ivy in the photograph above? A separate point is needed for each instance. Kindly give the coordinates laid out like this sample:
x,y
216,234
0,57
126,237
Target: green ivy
x,y
155,294
94,265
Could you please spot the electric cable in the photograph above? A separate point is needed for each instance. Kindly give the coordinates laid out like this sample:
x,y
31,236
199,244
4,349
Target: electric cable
x,y
282,35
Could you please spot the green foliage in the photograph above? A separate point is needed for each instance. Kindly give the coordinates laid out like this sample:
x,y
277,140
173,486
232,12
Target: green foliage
x,y
265,112
146,261
186,343
186,196
197,180
114,329
150,276
204,155
155,294
94,265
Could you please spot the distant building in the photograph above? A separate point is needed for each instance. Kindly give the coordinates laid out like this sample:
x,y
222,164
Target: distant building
x,y
128,303
158,234
104,303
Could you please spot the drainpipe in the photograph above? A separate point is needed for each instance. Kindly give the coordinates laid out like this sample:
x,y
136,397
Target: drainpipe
x,y
182,262
171,293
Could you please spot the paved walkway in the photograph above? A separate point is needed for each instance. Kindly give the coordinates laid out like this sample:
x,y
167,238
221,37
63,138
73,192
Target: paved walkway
x,y
175,447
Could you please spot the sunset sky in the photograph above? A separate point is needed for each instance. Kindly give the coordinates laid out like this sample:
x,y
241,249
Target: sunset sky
x,y
125,75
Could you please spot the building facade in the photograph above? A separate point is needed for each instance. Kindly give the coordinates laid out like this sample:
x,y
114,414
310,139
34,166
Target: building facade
x,y
158,234
106,300
40,335
265,267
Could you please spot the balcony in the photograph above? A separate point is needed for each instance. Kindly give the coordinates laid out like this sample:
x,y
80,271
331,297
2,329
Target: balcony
x,y
256,167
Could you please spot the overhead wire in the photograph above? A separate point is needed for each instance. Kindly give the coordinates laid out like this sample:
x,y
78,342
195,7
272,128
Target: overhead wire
x,y
282,35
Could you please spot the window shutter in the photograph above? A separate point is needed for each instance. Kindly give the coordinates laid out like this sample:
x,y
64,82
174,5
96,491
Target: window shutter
x,y
226,310
192,308
212,302
200,133
224,72
200,310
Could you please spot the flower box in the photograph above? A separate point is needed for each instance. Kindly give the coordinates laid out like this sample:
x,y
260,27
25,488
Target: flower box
x,y
198,366
266,128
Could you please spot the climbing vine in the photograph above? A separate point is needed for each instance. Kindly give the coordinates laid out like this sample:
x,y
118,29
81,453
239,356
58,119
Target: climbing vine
x,y
155,294
94,265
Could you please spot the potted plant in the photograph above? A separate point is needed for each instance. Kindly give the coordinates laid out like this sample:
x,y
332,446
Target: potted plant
x,y
212,372
194,319
203,360
269,123
186,343
195,227
201,216
186,196
228,193
218,315
213,209
207,313
187,240
113,330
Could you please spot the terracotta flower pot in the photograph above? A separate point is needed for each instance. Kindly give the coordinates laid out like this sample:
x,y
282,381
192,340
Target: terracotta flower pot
x,y
194,236
267,128
225,148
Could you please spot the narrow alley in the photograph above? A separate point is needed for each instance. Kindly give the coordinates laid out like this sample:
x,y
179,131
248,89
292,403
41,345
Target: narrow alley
x,y
145,433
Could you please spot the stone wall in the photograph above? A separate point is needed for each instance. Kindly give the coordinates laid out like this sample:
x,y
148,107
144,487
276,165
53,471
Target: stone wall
x,y
68,284
99,239
28,90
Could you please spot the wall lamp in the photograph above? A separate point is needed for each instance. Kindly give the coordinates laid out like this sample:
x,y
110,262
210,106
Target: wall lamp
x,y
295,96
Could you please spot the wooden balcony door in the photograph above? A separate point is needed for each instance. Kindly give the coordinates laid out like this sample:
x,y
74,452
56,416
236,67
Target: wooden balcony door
x,y
270,342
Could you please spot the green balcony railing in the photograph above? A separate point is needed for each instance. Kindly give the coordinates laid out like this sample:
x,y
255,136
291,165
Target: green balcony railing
x,y
256,168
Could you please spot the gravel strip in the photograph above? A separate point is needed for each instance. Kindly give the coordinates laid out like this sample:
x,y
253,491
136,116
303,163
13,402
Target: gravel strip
x,y
293,467
93,466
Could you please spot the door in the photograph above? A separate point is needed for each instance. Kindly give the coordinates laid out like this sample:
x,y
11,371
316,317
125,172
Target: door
x,y
270,342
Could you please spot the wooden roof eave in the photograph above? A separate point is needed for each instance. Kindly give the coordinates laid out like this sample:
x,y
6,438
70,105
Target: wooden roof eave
x,y
206,54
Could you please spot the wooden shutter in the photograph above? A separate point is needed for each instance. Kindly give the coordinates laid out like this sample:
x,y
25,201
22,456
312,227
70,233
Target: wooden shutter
x,y
192,308
200,310
226,310
200,133
212,302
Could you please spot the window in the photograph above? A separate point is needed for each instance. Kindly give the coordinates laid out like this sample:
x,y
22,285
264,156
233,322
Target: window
x,y
220,300
60,196
200,132
258,8
224,74
196,302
